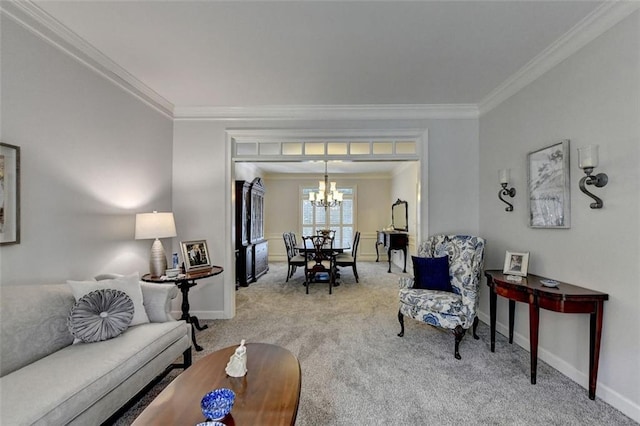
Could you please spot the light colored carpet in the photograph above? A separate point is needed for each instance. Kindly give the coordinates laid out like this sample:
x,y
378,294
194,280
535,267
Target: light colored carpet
x,y
357,371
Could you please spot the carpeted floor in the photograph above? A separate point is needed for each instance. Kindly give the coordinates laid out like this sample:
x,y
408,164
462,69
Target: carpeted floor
x,y
356,371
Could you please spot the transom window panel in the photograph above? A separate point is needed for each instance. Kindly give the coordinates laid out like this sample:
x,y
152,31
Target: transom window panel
x,y
251,145
339,218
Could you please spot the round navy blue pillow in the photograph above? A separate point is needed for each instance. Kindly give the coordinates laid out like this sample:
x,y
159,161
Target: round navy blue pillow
x,y
431,273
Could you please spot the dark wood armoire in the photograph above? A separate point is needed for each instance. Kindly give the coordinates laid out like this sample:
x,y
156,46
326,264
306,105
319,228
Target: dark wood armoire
x,y
251,247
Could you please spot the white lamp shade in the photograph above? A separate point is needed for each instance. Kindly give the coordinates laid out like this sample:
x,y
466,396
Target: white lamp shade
x,y
588,156
505,175
155,225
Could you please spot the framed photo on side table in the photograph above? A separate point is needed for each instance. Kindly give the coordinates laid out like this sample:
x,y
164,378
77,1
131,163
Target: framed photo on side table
x,y
9,194
549,187
195,254
516,263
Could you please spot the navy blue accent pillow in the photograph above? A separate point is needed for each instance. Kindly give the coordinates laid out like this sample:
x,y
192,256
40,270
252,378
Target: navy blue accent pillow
x,y
431,273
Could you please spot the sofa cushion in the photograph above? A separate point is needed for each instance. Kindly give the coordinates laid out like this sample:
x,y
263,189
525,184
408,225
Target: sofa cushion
x,y
100,315
33,323
431,273
130,284
74,378
157,300
155,296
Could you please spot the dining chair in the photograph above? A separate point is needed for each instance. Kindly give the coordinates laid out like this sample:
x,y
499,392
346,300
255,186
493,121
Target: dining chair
x,y
320,261
349,259
293,259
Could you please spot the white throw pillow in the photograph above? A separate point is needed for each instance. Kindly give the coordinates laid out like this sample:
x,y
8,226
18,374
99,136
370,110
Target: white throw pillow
x,y
130,284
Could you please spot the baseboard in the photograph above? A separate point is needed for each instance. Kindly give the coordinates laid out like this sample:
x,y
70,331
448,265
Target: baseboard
x,y
603,392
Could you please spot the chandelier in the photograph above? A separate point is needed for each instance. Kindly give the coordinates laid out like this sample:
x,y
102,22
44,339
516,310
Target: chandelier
x,y
327,195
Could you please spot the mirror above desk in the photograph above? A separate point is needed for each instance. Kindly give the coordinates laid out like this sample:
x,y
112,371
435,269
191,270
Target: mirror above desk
x,y
398,237
400,216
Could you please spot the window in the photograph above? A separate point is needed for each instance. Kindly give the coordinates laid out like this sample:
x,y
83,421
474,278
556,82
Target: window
x,y
340,218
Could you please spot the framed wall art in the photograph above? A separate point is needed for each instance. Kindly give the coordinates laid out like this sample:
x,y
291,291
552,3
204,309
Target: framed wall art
x,y
516,264
195,254
549,186
9,194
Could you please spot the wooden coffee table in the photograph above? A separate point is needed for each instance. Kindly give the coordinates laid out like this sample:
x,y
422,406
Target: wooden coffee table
x,y
267,395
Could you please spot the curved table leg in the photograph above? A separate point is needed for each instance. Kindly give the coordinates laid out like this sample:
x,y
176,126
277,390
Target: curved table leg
x,y
184,287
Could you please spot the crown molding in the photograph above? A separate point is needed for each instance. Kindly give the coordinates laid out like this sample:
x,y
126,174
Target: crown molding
x,y
593,25
328,112
40,23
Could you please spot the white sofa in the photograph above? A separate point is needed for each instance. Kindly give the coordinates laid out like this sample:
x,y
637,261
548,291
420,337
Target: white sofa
x,y
45,379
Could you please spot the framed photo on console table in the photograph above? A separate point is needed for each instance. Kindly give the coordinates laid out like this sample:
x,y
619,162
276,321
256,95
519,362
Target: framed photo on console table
x,y
9,194
195,254
549,187
516,263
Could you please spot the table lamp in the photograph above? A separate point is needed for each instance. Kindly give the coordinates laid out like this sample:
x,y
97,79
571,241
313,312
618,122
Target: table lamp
x,y
155,226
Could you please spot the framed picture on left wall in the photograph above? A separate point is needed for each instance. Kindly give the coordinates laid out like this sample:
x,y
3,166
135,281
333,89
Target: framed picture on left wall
x,y
9,194
195,254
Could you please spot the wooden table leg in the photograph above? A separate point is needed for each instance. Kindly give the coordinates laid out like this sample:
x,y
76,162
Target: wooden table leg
x,y
534,320
404,250
594,347
492,315
512,315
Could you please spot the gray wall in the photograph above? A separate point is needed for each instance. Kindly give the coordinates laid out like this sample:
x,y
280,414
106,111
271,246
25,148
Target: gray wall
x,y
593,97
92,156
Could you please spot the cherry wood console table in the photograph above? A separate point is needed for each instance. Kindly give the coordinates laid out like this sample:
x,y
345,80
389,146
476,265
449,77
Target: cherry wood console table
x,y
566,298
393,240
184,283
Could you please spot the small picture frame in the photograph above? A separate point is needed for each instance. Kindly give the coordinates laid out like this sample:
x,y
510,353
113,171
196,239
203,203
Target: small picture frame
x,y
516,263
195,254
9,194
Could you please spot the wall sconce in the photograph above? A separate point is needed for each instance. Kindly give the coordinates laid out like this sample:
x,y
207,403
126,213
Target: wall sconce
x,y
588,160
504,181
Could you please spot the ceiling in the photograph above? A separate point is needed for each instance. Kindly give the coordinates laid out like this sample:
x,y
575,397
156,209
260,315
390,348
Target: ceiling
x,y
246,53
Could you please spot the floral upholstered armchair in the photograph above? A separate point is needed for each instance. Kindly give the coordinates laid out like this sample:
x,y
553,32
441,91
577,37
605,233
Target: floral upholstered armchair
x,y
455,309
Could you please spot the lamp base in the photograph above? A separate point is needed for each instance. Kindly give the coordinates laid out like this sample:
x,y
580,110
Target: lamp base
x,y
158,260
